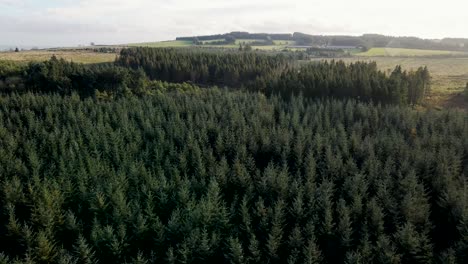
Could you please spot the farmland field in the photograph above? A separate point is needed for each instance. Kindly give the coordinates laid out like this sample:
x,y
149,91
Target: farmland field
x,y
270,47
211,41
278,44
396,52
247,41
284,42
163,44
86,57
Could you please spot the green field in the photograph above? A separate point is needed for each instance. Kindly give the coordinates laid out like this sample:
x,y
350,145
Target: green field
x,y
211,41
284,42
86,57
269,47
238,41
278,44
247,41
163,44
396,52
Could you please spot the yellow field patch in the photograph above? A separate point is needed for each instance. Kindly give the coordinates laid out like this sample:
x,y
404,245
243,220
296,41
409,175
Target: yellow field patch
x,y
396,52
163,44
87,57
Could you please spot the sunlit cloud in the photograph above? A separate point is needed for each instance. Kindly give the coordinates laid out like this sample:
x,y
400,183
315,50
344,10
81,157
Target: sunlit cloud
x,y
123,21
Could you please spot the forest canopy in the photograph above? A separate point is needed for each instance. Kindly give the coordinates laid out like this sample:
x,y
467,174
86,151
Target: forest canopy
x,y
229,177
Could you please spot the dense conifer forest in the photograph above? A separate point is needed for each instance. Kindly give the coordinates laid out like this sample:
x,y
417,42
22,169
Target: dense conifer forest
x,y
280,74
136,71
217,176
170,156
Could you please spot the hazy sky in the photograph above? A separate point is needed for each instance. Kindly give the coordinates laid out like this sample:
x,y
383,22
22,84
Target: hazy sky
x,y
73,22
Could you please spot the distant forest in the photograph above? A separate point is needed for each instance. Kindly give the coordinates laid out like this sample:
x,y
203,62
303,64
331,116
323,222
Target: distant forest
x,y
364,41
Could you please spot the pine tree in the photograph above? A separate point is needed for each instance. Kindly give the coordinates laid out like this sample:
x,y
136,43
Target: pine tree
x,y
466,92
139,259
83,251
416,247
325,207
385,251
255,254
312,254
45,251
353,258
295,244
344,228
4,259
170,256
236,253
448,257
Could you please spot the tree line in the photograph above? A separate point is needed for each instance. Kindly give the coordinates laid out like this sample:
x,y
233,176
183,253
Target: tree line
x,y
365,41
229,177
357,80
240,35
236,70
466,92
63,77
57,76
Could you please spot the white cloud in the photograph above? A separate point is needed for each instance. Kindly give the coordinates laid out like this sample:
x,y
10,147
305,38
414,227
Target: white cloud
x,y
122,21
9,2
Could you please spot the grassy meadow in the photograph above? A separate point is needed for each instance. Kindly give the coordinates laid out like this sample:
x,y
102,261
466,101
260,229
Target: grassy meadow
x,y
163,44
278,44
396,52
87,57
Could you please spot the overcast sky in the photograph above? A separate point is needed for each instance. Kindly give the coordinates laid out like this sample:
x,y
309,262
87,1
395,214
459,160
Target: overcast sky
x,y
73,22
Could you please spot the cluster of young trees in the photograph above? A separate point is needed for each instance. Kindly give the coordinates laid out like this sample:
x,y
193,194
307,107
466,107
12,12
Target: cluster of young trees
x,y
103,81
277,74
205,68
10,75
226,40
357,80
63,77
245,47
230,177
327,53
466,92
